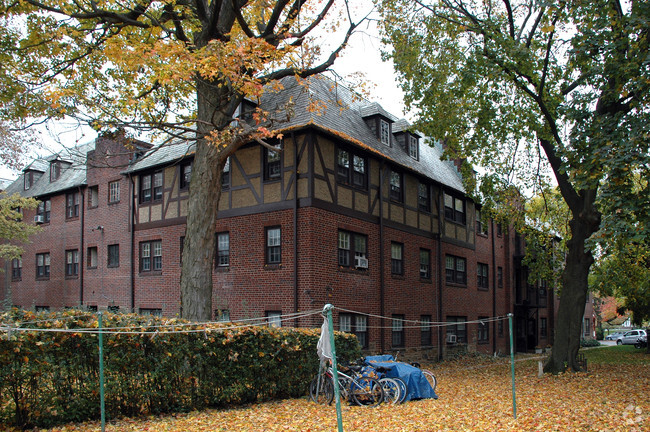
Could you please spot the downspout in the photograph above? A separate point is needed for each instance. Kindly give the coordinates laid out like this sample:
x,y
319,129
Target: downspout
x,y
441,329
382,332
82,215
132,248
494,287
295,227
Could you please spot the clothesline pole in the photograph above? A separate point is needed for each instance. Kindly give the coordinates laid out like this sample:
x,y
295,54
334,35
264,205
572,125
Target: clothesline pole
x,y
512,367
335,375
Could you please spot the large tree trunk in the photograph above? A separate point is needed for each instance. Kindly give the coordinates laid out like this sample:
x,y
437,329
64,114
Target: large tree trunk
x,y
574,287
205,191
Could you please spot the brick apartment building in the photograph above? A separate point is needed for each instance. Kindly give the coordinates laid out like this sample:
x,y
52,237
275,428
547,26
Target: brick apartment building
x,y
355,210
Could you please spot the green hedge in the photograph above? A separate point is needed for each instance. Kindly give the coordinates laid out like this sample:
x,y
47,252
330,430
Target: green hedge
x,y
49,378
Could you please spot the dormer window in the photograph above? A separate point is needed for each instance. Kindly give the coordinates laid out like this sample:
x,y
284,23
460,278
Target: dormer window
x,y
384,132
55,170
413,147
29,180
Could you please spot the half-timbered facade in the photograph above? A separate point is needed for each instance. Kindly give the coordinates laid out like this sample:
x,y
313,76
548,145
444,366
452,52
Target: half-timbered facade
x,y
354,209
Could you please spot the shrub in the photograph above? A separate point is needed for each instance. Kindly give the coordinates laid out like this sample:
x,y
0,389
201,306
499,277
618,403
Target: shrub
x,y
49,378
589,343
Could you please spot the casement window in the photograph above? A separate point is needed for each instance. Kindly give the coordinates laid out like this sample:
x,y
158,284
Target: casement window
x,y
425,330
274,318
500,277
43,265
481,227
454,209
273,245
456,270
185,175
543,329
151,187
351,169
225,175
396,188
223,249
43,211
72,262
424,197
357,325
93,196
72,205
352,250
222,315
151,311
413,147
16,269
91,257
113,192
483,330
425,264
456,326
384,132
396,258
397,334
151,256
482,276
272,164
542,294
113,258
55,170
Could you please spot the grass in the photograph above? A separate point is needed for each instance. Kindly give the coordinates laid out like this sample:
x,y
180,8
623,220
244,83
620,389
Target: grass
x,y
475,394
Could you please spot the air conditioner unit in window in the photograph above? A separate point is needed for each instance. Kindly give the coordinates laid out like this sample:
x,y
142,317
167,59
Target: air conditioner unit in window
x,y
451,338
39,219
360,262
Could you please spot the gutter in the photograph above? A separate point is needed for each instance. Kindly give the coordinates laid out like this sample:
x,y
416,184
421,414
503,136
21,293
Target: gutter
x,y
382,343
132,248
82,217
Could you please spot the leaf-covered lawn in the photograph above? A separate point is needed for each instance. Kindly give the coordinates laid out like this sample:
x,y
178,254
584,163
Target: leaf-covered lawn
x,y
474,395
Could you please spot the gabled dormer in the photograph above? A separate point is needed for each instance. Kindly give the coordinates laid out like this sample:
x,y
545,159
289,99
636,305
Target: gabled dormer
x,y
379,122
32,173
245,110
57,166
406,139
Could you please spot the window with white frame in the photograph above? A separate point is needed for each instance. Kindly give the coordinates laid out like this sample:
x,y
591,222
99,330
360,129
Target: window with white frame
x,y
454,209
425,264
113,192
151,256
397,334
43,265
223,249
355,324
352,250
396,258
72,262
456,270
273,245
413,146
482,276
274,318
72,205
384,132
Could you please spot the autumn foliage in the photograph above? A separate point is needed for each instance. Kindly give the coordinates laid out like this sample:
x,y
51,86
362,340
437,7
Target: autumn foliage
x,y
152,365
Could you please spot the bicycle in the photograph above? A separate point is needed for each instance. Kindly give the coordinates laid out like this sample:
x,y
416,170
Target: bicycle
x,y
356,388
431,378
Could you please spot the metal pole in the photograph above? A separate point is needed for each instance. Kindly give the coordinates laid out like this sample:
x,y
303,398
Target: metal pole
x,y
101,371
512,367
335,375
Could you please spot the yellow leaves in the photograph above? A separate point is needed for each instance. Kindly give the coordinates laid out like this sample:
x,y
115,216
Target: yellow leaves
x,y
548,28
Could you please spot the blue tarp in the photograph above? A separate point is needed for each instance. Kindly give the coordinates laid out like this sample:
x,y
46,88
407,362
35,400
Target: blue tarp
x,y
416,383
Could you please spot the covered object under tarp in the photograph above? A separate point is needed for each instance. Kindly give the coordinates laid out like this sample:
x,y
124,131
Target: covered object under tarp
x,y
416,383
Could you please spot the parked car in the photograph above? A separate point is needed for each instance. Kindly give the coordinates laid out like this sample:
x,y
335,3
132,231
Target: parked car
x,y
614,336
630,337
642,342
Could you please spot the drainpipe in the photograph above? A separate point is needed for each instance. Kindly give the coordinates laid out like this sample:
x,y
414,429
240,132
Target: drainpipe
x,y
132,246
82,216
441,330
295,227
494,287
382,332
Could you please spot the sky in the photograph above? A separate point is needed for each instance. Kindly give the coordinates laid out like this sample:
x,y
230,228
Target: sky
x,y
362,55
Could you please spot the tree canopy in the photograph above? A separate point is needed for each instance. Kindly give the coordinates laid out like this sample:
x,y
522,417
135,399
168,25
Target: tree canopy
x,y
527,89
170,68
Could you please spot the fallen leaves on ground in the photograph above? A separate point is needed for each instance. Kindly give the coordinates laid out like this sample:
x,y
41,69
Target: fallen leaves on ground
x,y
474,395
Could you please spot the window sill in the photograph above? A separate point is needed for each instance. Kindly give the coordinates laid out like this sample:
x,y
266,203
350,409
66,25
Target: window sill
x,y
398,276
110,203
272,266
353,270
457,285
222,269
113,266
483,289
426,280
43,278
69,277
150,273
482,234
16,279
483,342
70,219
463,224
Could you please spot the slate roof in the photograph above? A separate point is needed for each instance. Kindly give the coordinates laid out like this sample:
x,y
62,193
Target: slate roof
x,y
324,104
72,175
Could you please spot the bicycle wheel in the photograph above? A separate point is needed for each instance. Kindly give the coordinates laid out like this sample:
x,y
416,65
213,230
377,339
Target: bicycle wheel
x,y
392,392
321,390
403,389
431,378
344,387
367,391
